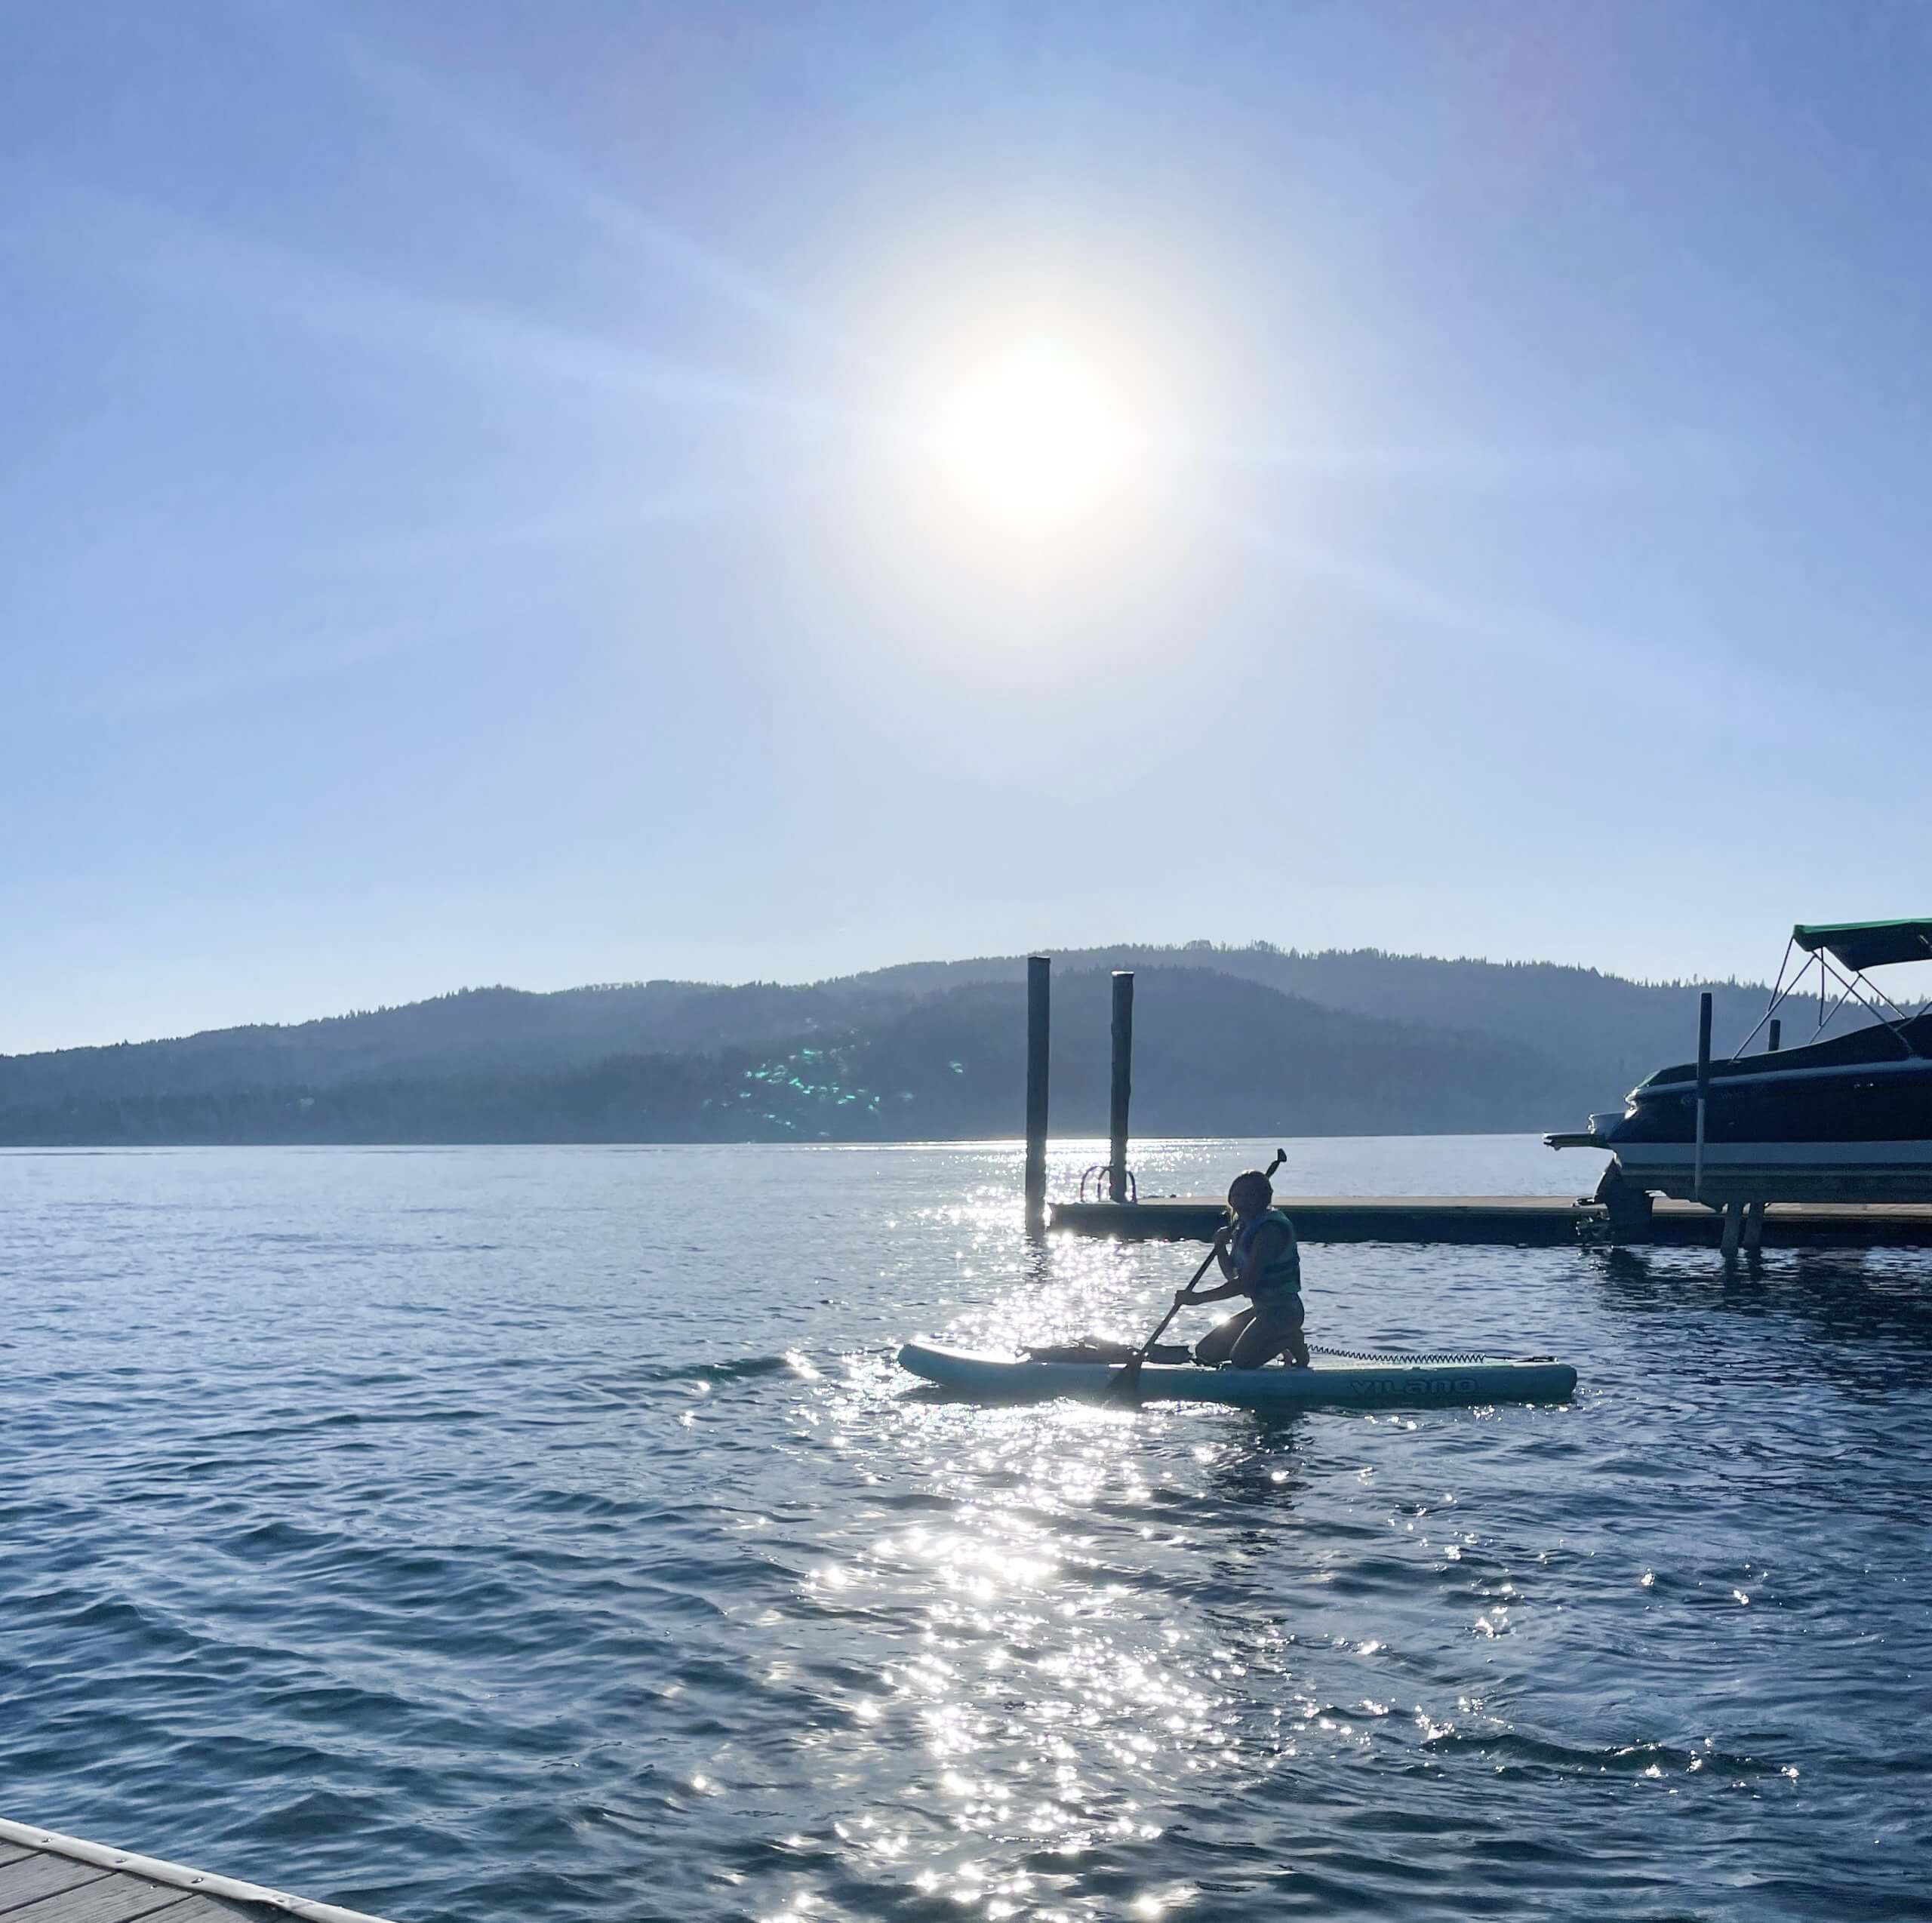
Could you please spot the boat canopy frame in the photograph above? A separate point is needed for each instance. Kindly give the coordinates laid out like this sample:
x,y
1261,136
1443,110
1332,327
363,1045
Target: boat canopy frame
x,y
1855,947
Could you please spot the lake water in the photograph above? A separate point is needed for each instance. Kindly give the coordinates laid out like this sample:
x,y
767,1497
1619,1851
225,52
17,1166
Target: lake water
x,y
546,1533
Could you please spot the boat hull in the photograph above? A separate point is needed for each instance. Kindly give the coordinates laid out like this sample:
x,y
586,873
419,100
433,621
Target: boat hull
x,y
1805,1126
1328,1384
1780,1171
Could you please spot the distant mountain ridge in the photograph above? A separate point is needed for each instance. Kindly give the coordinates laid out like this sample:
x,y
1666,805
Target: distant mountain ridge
x,y
1253,1039
1613,1028
1224,1056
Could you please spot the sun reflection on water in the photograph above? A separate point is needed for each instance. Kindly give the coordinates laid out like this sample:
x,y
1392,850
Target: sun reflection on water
x,y
1075,1652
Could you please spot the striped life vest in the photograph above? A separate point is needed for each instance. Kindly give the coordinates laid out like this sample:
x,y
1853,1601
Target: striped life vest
x,y
1282,1276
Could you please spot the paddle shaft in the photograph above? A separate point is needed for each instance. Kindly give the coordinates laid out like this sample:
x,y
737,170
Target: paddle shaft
x,y
1130,1370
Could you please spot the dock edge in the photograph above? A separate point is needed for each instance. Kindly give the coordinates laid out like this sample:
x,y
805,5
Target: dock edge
x,y
156,1869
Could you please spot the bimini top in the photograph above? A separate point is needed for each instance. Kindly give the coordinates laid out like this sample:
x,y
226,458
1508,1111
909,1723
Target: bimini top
x,y
1862,945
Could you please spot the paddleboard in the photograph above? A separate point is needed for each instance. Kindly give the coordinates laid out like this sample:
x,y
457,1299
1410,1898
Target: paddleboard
x,y
1333,1382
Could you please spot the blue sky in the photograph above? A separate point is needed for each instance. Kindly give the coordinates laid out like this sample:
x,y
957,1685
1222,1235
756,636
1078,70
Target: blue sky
x,y
472,514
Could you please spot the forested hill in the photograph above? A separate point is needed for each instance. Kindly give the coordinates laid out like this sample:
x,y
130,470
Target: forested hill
x,y
1612,1030
473,1030
1214,1055
1228,1039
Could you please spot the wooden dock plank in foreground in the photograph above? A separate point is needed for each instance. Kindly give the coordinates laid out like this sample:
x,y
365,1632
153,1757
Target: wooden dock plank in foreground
x,y
48,1878
23,1885
1519,1221
204,1910
111,1898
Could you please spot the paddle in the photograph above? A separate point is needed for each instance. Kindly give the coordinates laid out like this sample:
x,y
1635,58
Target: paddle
x,y
1123,1384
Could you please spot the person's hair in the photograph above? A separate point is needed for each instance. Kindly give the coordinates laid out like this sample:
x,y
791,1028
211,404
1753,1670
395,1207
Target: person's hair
x,y
1254,1175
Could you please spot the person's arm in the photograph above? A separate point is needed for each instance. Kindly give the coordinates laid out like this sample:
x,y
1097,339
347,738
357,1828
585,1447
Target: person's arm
x,y
1220,1295
1231,1287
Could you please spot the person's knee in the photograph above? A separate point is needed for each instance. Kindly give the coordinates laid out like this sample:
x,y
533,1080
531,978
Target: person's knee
x,y
1261,1341
1215,1347
1255,1347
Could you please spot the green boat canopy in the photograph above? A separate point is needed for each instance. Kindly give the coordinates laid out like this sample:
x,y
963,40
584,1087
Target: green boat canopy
x,y
1861,945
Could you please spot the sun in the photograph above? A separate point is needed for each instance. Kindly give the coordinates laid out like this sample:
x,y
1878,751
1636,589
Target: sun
x,y
1032,438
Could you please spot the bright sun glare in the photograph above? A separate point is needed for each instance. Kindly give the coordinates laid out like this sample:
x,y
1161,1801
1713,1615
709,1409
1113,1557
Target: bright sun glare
x,y
1033,439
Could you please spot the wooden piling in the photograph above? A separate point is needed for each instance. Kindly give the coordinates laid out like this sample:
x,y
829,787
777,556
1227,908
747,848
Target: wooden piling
x,y
1703,1089
1039,1028
1123,1084
1733,1229
1776,1035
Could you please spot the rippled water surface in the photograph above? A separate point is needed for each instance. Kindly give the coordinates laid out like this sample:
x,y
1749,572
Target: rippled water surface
x,y
546,1533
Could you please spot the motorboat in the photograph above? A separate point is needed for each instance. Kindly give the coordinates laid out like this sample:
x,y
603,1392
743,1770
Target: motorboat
x,y
1846,1117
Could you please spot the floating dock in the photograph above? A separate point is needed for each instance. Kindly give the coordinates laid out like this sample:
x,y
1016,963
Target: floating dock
x,y
48,1878
1513,1221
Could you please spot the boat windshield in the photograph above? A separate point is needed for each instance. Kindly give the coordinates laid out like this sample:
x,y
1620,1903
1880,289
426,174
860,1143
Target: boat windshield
x,y
1876,1041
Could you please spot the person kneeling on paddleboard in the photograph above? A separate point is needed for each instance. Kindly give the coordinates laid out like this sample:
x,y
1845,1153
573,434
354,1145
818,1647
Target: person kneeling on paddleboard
x,y
1258,1254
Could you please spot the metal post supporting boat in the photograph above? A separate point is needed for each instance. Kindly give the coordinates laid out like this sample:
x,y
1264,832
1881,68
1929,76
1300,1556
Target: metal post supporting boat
x,y
1703,1090
1733,1229
1123,1084
1754,1216
1039,1027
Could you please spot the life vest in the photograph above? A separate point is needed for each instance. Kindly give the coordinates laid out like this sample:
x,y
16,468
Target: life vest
x,y
1282,1276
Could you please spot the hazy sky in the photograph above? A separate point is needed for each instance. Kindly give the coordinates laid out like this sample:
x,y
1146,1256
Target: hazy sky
x,y
548,492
